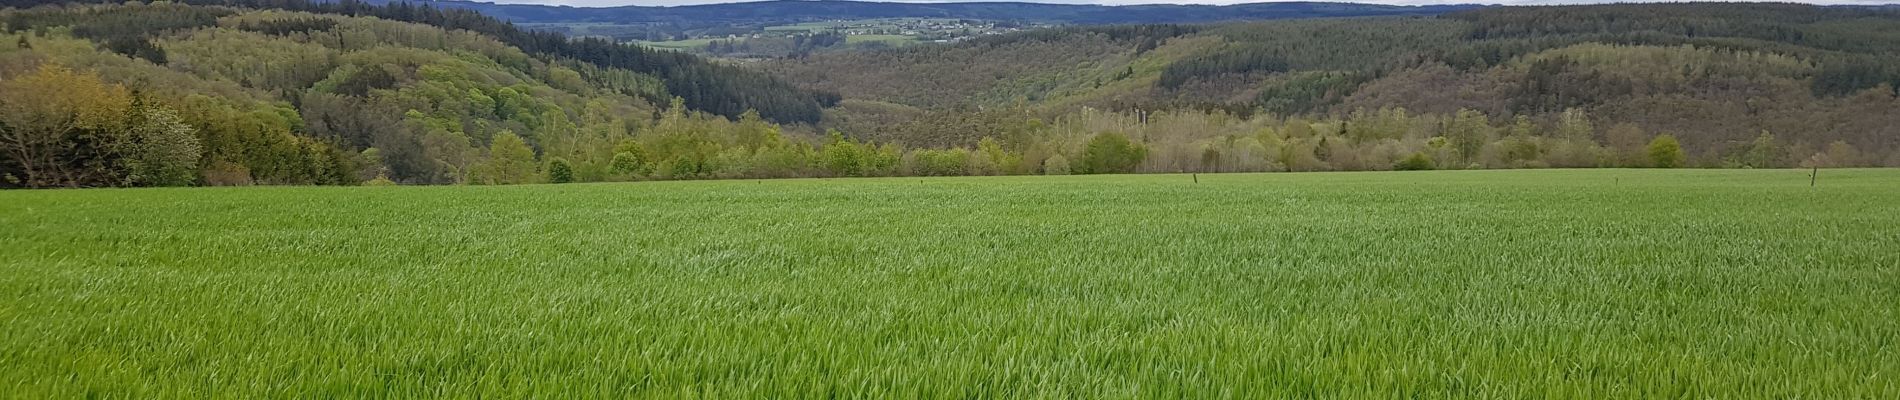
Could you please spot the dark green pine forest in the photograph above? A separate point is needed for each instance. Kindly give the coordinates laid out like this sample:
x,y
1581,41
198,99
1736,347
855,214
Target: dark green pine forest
x,y
236,92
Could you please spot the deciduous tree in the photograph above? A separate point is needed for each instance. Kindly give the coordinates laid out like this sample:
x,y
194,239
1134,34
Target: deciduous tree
x,y
510,161
1112,153
1665,152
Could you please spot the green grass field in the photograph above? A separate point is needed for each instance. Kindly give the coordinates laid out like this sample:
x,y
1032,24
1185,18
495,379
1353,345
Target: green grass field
x,y
882,23
893,40
687,44
1512,284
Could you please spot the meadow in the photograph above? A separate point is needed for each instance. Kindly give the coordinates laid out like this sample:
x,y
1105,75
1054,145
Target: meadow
x,y
688,44
1512,284
893,40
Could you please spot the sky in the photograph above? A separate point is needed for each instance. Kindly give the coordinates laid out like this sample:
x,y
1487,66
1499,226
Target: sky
x,y
610,3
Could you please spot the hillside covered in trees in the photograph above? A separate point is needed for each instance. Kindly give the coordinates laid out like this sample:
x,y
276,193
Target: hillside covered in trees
x,y
719,19
343,93
707,86
793,11
1731,85
233,92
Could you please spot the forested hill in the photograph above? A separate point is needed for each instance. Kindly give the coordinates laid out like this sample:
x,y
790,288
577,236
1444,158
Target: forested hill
x,y
793,11
706,86
1739,84
174,94
217,92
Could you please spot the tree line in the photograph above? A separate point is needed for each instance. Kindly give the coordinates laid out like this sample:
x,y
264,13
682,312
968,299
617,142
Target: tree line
x,y
1714,76
245,96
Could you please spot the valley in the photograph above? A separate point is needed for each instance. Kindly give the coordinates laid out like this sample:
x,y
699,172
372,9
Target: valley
x,y
841,199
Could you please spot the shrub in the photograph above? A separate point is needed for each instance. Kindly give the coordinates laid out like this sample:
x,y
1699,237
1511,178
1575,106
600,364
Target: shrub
x,y
1055,165
1665,152
560,171
625,164
1112,153
226,173
1416,162
381,180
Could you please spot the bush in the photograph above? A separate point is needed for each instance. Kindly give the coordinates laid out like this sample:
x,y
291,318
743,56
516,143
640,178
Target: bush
x,y
1665,152
1056,165
679,167
626,164
381,180
843,158
1416,162
560,171
226,173
1112,153
951,162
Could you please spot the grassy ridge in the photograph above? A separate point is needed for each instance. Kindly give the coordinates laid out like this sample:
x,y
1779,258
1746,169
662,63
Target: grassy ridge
x,y
1547,283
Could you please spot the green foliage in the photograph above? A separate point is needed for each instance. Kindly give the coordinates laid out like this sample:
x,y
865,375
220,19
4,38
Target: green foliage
x,y
1665,152
162,149
949,162
994,159
1764,152
1469,131
1661,67
510,161
1111,153
1233,60
1055,165
1303,92
125,30
560,171
1415,162
380,180
628,163
843,157
295,97
60,127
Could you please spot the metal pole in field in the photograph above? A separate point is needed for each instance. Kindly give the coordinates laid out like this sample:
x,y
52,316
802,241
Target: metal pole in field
x,y
1814,176
1197,178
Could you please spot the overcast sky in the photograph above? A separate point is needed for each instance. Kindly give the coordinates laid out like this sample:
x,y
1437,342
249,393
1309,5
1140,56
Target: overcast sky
x,y
608,3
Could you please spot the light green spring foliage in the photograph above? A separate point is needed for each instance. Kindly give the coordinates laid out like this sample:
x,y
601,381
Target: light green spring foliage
x,y
1665,152
1443,284
510,161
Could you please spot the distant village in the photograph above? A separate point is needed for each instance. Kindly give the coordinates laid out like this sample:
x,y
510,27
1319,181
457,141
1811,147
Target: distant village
x,y
928,30
919,29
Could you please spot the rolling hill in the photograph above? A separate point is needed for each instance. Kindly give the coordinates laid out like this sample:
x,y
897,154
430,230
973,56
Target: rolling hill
x,y
1783,81
291,92
792,11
